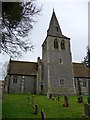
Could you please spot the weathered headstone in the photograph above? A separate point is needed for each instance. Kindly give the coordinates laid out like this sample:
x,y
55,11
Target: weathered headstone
x,y
66,102
87,110
33,100
35,109
43,115
80,98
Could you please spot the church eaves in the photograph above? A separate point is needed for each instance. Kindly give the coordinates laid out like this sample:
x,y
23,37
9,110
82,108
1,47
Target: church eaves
x,y
54,27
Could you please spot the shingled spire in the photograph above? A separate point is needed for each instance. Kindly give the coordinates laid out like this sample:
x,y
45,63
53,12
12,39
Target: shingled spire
x,y
54,27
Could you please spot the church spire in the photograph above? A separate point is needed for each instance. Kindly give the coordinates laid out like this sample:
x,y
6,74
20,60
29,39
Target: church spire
x,y
54,28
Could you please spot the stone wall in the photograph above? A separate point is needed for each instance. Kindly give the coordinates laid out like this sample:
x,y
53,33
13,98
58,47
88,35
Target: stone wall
x,y
84,89
54,70
25,84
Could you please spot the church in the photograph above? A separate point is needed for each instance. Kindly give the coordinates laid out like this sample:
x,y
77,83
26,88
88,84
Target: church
x,y
54,73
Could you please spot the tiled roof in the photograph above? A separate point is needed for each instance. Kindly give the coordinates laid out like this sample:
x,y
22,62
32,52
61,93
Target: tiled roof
x,y
30,68
80,70
22,68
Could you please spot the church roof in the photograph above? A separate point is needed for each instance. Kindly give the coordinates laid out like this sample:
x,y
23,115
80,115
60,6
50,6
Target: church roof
x,y
30,68
22,68
80,70
54,27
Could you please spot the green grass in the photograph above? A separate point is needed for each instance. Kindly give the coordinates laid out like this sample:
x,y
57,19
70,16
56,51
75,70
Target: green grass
x,y
0,109
17,106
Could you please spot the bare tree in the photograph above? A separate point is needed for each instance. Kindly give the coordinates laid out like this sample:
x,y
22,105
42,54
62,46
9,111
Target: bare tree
x,y
17,21
0,70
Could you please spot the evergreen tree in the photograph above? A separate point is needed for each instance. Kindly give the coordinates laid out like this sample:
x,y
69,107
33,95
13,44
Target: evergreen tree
x,y
87,63
87,58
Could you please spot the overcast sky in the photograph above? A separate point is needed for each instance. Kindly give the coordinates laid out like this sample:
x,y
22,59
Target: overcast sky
x,y
72,16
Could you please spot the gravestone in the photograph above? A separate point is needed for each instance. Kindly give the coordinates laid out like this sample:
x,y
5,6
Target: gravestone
x,y
66,104
80,98
87,110
43,115
35,109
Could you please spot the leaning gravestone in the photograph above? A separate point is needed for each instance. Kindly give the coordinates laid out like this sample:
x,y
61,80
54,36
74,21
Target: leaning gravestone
x,y
87,109
35,109
66,101
43,115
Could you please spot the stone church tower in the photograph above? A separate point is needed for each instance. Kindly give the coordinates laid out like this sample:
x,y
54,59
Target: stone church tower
x,y
55,68
53,73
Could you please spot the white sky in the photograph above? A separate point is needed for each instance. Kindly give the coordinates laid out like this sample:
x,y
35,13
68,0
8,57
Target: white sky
x,y
89,24
72,16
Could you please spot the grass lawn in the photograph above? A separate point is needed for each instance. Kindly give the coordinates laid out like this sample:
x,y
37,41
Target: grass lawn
x,y
0,108
17,106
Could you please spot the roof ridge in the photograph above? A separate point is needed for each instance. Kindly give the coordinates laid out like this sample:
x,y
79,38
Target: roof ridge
x,y
22,61
76,63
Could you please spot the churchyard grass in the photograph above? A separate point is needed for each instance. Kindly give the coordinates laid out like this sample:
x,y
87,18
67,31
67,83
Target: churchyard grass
x,y
18,106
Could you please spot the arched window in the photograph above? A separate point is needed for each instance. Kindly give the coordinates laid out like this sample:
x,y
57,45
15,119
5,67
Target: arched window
x,y
63,45
56,44
15,80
